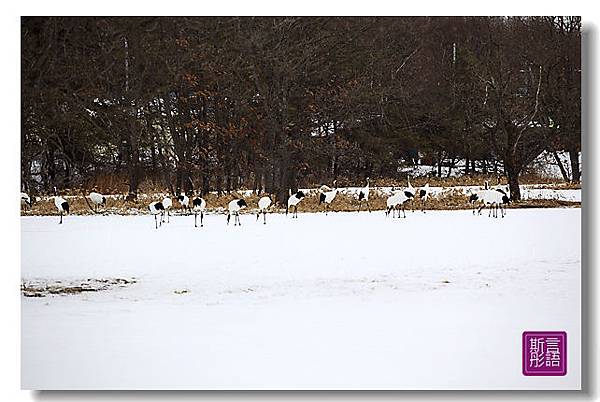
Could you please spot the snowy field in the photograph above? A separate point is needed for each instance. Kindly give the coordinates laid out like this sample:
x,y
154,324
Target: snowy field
x,y
345,301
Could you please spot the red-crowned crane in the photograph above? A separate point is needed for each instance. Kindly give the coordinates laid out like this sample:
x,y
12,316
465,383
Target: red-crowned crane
x,y
157,208
198,206
61,205
398,199
327,195
263,205
424,196
363,195
167,203
293,201
25,200
97,200
234,208
184,201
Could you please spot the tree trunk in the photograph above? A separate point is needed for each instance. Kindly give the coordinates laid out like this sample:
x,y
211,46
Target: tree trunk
x,y
563,171
205,184
575,168
178,179
451,167
515,190
134,169
271,181
255,189
219,181
188,183
513,179
134,177
287,183
186,177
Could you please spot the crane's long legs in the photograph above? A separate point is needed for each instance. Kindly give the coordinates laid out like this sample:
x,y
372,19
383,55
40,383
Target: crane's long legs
x,y
201,218
60,218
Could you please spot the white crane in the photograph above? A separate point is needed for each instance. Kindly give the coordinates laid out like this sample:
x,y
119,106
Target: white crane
x,y
478,196
410,189
424,196
293,201
493,198
184,201
234,208
167,203
198,206
263,205
327,196
97,199
157,208
61,205
25,200
397,199
363,195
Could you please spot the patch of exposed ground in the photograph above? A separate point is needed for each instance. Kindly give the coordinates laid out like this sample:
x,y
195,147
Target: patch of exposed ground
x,y
43,288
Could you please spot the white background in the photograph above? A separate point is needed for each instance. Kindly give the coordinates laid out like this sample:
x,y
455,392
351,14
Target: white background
x,y
10,162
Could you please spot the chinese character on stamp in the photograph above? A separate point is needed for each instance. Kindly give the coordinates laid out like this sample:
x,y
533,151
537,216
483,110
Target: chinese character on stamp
x,y
544,353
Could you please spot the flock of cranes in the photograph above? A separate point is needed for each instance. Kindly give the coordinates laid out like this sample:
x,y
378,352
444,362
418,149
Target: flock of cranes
x,y
493,198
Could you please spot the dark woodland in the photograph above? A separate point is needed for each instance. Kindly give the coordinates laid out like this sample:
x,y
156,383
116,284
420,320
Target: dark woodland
x,y
216,104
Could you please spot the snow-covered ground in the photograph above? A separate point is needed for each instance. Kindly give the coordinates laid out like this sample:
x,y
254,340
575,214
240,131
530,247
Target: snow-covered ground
x,y
345,301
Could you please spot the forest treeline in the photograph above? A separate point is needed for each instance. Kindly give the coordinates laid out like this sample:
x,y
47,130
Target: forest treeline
x,y
204,104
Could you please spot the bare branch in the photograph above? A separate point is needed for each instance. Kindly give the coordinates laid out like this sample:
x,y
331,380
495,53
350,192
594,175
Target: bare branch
x,y
406,60
535,110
